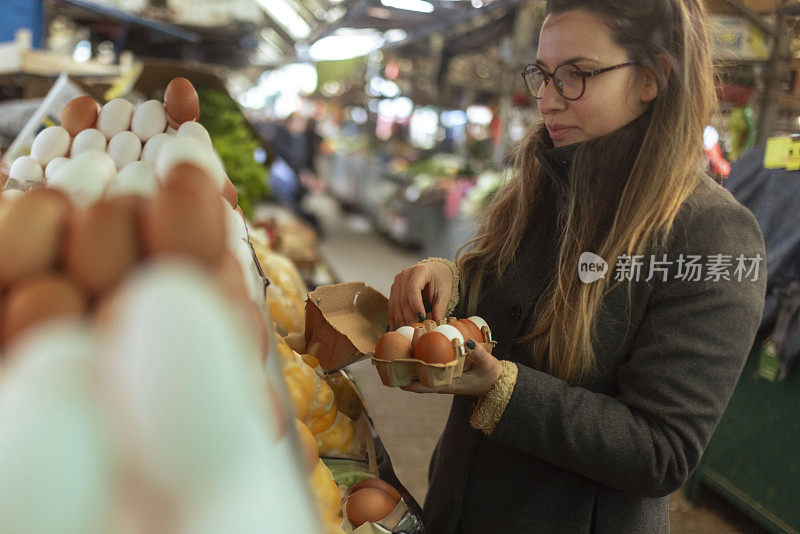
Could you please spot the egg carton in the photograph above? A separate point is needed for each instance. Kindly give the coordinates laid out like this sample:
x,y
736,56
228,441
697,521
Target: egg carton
x,y
401,372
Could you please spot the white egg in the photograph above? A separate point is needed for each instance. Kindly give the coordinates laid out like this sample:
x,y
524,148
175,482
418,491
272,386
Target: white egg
x,y
236,227
479,322
55,452
53,166
85,177
52,142
135,179
26,169
149,119
183,393
450,332
124,148
190,150
115,117
152,148
89,139
269,497
407,331
196,130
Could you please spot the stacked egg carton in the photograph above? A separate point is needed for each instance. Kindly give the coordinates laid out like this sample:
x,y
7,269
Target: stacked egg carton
x,y
430,352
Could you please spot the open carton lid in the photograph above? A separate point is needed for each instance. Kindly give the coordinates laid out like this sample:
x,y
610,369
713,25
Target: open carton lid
x,y
344,323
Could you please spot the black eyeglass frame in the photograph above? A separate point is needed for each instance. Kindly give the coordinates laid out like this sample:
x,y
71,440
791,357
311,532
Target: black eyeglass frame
x,y
529,69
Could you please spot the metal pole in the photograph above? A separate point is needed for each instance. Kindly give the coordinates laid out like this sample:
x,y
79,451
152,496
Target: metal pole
x,y
770,99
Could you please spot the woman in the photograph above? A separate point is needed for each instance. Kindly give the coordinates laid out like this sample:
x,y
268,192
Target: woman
x,y
605,387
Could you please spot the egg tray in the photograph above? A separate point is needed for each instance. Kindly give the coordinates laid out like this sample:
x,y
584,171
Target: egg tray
x,y
401,372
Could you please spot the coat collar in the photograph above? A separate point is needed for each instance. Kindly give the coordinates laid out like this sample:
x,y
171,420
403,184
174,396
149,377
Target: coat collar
x,y
557,161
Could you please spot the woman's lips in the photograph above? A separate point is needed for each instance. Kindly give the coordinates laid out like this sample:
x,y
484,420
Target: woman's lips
x,y
558,132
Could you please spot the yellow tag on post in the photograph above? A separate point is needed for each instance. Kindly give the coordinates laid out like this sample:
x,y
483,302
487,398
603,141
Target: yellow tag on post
x,y
782,153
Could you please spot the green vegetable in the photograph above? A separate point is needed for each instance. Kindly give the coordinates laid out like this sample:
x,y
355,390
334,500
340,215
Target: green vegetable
x,y
236,145
348,472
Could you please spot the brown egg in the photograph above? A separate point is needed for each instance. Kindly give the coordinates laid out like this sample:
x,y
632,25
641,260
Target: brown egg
x,y
429,323
102,243
474,332
393,346
31,230
377,484
434,347
308,444
79,114
229,193
185,217
369,504
181,101
466,332
38,299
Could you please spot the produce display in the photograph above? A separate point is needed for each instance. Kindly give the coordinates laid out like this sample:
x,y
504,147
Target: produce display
x,y
433,353
235,144
287,294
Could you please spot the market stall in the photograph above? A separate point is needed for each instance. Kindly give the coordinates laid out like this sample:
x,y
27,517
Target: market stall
x,y
173,330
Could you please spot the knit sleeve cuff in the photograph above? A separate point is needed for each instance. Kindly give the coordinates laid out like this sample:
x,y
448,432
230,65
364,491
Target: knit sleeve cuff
x,y
454,296
492,404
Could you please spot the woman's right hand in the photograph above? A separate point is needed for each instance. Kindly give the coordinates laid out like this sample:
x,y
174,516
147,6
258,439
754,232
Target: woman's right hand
x,y
431,281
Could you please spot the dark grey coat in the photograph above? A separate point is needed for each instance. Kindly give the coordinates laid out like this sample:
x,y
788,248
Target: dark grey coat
x,y
605,455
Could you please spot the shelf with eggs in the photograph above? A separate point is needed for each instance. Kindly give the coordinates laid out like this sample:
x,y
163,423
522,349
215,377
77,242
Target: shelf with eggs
x,y
431,352
64,254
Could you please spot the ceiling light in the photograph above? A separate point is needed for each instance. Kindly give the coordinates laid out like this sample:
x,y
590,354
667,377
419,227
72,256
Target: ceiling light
x,y
409,5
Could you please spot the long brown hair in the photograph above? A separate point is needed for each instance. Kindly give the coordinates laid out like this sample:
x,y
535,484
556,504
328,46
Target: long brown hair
x,y
631,218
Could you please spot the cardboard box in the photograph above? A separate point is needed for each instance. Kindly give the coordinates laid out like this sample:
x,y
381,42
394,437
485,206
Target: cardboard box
x,y
344,323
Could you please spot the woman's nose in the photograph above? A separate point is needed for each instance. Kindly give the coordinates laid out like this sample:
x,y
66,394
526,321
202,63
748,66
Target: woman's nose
x,y
551,99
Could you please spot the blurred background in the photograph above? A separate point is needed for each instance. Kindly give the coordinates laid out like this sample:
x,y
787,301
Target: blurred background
x,y
364,135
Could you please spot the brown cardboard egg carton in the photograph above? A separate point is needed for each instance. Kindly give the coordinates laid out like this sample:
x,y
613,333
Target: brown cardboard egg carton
x,y
402,372
344,323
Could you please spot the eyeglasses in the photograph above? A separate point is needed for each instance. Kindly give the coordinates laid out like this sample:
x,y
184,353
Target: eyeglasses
x,y
570,81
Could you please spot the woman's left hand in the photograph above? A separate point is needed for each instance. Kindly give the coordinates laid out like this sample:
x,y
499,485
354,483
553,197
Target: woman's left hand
x,y
480,378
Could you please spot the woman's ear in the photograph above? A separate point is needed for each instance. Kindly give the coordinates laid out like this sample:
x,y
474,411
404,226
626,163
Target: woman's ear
x,y
650,81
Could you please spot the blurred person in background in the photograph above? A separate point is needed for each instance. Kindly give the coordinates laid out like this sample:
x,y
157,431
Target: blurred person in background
x,y
606,384
292,176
